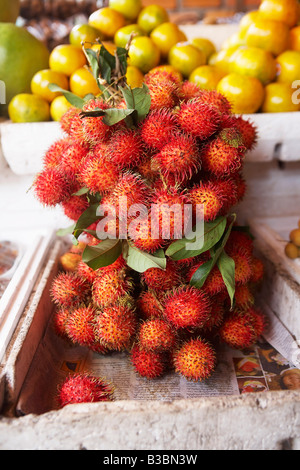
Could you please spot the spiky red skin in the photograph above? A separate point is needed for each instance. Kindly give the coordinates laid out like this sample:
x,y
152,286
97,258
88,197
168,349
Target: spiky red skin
x,y
87,273
190,90
109,287
132,187
59,322
187,307
80,325
227,188
216,100
143,240
161,280
214,283
51,187
241,186
243,265
159,73
72,157
238,331
52,156
116,327
148,364
219,158
93,128
239,240
216,315
195,360
209,197
155,334
158,127
126,148
257,268
99,175
198,119
148,305
244,297
67,122
179,157
84,388
247,129
69,289
75,206
164,92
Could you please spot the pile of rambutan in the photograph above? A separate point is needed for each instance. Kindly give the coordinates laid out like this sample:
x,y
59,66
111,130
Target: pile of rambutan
x,y
169,307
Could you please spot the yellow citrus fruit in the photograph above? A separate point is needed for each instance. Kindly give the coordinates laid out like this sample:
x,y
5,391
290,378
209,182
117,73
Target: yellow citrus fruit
x,y
289,66
234,41
270,35
128,8
84,33
254,62
26,107
222,60
67,58
294,42
286,11
59,107
246,94
152,16
82,82
206,76
185,58
165,36
204,45
41,80
9,11
107,20
246,21
143,54
109,46
122,36
134,77
279,99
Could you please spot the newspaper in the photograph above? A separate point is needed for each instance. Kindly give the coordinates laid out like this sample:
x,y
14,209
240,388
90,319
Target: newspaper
x,y
258,369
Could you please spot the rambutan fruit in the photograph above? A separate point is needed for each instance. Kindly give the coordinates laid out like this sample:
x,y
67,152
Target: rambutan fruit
x,y
143,239
84,388
241,186
257,319
179,157
147,170
161,280
93,128
198,119
217,100
164,92
216,315
187,307
257,268
190,90
220,158
155,334
239,239
195,359
126,148
158,127
52,156
111,287
246,128
148,305
85,272
164,72
244,297
59,322
66,122
228,190
80,325
116,327
237,331
243,265
51,187
99,175
75,206
209,199
132,191
72,157
148,364
69,289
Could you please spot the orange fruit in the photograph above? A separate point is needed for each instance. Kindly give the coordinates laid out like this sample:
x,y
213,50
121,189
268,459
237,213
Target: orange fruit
x,y
41,80
286,11
134,77
294,42
84,33
246,94
67,58
59,107
143,54
82,82
185,58
26,107
270,35
107,20
279,99
128,8
165,36
152,16
122,36
205,45
254,62
222,60
234,41
246,21
206,76
109,46
289,66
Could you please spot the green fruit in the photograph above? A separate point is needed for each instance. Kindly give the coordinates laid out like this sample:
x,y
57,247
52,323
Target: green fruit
x,y
21,56
9,10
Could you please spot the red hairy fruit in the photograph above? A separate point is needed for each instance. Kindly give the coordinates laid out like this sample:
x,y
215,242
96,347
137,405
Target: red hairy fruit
x,y
155,334
244,297
71,123
227,189
187,307
209,199
195,359
241,186
85,272
59,322
80,325
158,127
198,119
116,327
179,157
220,158
84,388
72,157
51,187
148,364
148,305
75,206
143,239
214,283
52,157
243,265
216,315
126,148
69,289
111,287
257,268
161,280
161,73
257,319
164,92
238,331
216,100
93,128
98,174
190,90
239,240
246,128
131,190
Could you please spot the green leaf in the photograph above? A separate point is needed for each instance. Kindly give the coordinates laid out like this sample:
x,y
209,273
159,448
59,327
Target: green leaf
x,y
92,58
73,99
62,232
140,261
104,254
88,217
212,233
111,116
107,64
226,266
122,55
81,192
138,99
